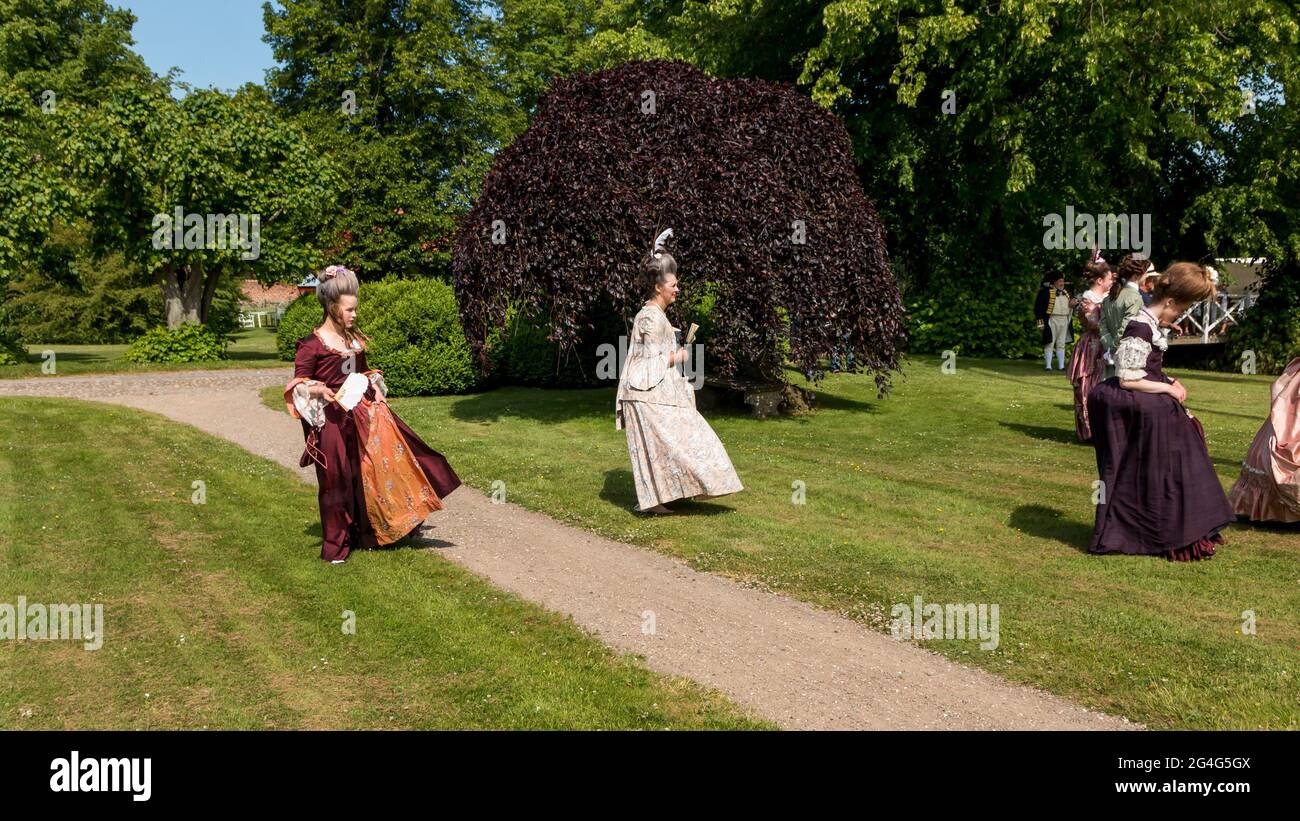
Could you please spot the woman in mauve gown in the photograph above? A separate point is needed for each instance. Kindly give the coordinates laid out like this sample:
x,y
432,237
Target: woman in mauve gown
x,y
1086,365
1160,495
1269,487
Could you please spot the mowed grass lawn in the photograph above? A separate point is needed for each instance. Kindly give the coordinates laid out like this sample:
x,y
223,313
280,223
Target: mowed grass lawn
x,y
222,616
960,488
251,348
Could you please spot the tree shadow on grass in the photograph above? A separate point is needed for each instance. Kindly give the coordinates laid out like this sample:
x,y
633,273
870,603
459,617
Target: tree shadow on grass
x,y
1205,410
620,490
34,357
1024,371
1068,437
1253,380
537,404
1230,465
1274,528
1065,436
567,404
1049,523
261,356
833,401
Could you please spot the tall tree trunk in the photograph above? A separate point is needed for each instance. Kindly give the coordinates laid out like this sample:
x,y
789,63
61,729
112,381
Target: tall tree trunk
x,y
210,281
181,299
171,294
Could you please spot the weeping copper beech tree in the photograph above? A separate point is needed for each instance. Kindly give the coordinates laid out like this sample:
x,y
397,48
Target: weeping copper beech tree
x,y
758,185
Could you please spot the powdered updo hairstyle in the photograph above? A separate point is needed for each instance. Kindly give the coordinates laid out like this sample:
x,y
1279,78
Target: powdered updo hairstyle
x,y
658,268
658,265
334,283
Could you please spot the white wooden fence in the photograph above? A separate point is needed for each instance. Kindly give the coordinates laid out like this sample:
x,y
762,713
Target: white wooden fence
x,y
1214,316
261,319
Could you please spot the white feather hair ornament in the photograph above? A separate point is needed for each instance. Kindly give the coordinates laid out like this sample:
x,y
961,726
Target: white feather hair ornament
x,y
659,241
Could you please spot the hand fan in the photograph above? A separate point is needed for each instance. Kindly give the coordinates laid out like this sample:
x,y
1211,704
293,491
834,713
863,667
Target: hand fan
x,y
351,391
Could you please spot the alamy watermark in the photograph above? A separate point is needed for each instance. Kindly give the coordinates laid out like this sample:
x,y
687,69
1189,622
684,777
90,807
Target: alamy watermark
x,y
196,232
611,361
924,622
1084,232
72,622
77,774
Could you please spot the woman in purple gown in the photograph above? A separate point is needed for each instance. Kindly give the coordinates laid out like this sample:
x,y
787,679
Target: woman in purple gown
x,y
377,479
1160,494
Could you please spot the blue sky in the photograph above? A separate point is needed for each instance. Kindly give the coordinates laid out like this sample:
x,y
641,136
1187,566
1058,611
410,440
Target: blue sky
x,y
213,43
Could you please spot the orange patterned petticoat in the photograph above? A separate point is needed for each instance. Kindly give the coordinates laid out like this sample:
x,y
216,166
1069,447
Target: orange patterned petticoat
x,y
398,494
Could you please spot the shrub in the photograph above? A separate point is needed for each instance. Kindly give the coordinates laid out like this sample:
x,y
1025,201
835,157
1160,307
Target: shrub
x,y
416,337
302,315
61,294
188,343
414,330
998,322
11,350
521,352
760,189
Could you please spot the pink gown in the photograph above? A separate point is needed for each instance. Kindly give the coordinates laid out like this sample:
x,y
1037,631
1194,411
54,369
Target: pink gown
x,y
1086,367
1269,487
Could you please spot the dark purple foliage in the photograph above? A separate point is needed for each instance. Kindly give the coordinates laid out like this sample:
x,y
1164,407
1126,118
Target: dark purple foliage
x,y
729,165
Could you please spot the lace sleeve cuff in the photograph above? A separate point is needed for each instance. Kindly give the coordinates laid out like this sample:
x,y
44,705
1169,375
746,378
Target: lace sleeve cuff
x,y
305,406
1131,358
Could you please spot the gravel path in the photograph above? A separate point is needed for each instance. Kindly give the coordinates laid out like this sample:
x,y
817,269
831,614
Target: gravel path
x,y
799,666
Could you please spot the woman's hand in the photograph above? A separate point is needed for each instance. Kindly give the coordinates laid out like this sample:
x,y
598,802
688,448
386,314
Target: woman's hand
x,y
1177,391
322,391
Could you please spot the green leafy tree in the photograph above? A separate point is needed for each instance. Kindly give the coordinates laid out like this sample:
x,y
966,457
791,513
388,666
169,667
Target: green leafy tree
x,y
78,49
971,123
151,170
52,53
413,98
389,89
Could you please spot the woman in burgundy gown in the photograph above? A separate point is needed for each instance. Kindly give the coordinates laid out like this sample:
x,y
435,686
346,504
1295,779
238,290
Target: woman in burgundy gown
x,y
1086,365
377,480
1160,494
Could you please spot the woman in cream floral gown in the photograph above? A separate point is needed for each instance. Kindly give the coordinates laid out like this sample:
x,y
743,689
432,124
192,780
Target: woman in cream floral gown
x,y
674,452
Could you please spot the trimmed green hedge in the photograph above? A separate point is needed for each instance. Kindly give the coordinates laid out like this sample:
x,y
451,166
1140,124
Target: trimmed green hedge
x,y
415,335
957,316
302,315
188,343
